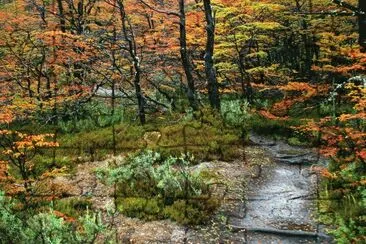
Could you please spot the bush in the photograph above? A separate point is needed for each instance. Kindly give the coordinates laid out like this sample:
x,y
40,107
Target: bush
x,y
236,113
46,227
72,206
142,208
152,188
147,174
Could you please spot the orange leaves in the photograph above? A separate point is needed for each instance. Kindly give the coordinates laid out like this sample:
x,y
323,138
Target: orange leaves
x,y
6,116
63,216
33,141
324,172
299,86
271,116
20,144
3,170
292,96
347,117
362,154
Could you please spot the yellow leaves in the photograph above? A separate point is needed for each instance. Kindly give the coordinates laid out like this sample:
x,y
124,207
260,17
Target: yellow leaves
x,y
5,132
6,116
54,173
267,26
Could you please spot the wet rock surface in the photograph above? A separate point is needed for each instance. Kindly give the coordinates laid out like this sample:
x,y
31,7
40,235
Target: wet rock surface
x,y
280,203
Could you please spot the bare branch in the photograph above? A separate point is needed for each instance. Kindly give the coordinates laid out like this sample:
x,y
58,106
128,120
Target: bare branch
x,y
162,11
348,6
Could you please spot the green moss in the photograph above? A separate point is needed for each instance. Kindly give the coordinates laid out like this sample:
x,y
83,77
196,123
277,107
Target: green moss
x,y
295,141
46,162
142,208
191,212
184,212
73,206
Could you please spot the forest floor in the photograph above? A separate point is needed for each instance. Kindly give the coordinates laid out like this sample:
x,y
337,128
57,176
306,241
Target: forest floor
x,y
269,195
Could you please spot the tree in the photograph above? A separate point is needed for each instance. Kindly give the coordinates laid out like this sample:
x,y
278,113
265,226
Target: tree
x,y
185,57
129,36
213,91
360,11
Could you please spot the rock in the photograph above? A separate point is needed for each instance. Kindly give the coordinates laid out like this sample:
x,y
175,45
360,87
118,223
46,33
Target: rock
x,y
152,138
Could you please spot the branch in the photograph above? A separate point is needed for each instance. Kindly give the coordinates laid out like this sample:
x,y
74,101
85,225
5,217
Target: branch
x,y
162,11
333,13
355,10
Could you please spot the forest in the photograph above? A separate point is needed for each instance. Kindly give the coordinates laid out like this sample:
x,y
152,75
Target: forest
x,y
182,121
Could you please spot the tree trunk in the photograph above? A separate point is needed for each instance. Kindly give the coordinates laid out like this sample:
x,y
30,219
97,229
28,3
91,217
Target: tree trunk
x,y
212,85
187,66
130,39
61,15
362,25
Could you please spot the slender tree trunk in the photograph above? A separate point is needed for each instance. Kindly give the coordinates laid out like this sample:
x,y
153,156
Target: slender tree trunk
x,y
212,85
113,105
62,15
187,66
362,24
130,39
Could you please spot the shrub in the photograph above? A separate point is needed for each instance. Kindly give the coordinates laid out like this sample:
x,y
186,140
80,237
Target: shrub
x,y
46,227
72,206
152,187
148,174
142,208
236,113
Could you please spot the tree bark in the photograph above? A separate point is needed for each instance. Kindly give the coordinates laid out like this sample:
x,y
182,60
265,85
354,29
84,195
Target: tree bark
x,y
62,15
130,39
212,85
362,25
187,66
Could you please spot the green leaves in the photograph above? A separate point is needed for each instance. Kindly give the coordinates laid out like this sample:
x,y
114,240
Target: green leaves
x,y
148,174
46,227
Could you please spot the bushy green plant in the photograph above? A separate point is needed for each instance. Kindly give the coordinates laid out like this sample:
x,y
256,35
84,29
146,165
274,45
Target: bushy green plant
x,y
235,112
142,208
88,117
150,184
73,206
11,226
350,230
148,174
46,227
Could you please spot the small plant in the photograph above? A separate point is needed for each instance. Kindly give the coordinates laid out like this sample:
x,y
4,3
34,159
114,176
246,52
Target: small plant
x,y
235,112
47,227
152,187
148,174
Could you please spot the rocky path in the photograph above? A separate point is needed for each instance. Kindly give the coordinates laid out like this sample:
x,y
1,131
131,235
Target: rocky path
x,y
281,200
